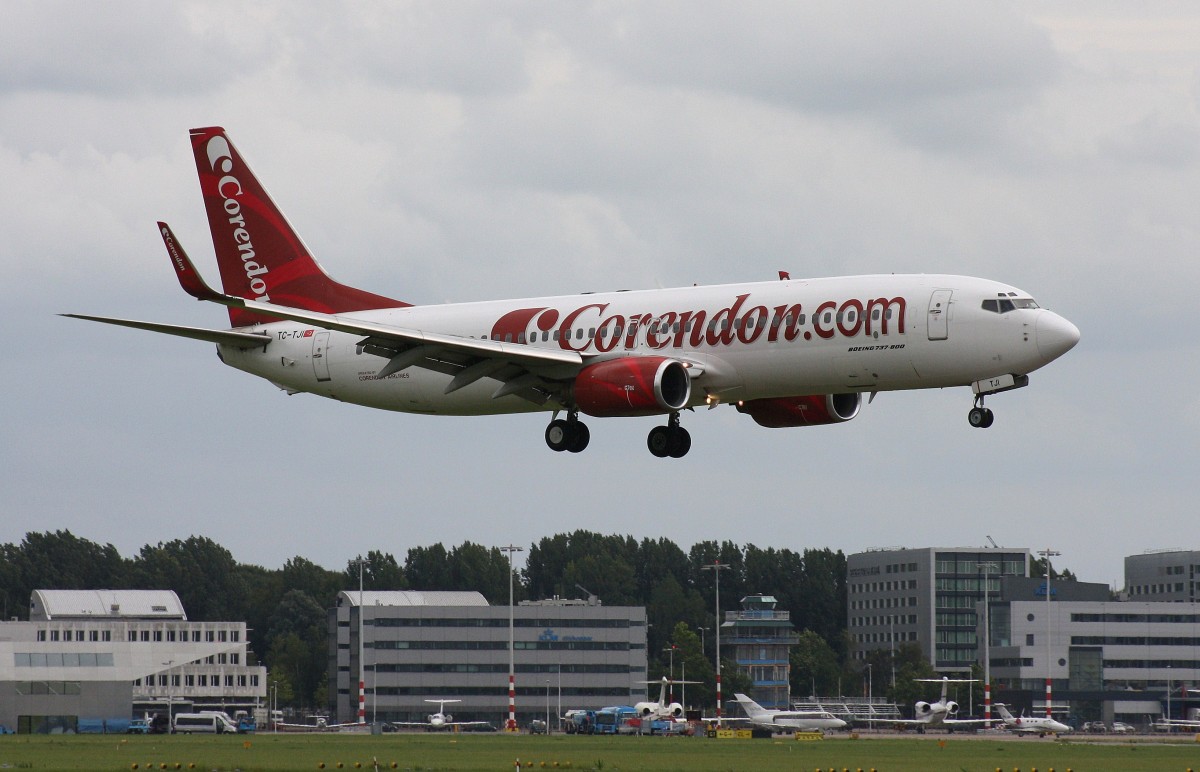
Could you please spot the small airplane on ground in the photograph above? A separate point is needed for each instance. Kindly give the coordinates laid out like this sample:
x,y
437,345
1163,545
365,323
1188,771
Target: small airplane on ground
x,y
1039,725
787,353
786,720
439,719
661,710
936,714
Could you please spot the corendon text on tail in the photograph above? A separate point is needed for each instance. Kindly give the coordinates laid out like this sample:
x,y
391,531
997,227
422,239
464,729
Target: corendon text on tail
x,y
787,353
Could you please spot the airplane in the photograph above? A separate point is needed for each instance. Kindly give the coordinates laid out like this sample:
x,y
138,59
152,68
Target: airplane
x,y
935,714
1039,725
787,353
661,710
787,720
439,719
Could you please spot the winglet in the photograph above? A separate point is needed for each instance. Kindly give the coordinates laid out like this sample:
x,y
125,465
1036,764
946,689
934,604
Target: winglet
x,y
191,281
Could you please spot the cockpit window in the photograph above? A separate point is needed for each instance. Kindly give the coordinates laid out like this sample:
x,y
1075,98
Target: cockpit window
x,y
1007,302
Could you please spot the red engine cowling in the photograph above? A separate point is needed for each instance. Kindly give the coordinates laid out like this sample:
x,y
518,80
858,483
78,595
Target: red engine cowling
x,y
807,410
633,386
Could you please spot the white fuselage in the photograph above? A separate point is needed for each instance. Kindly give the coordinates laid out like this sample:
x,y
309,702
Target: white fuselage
x,y
742,341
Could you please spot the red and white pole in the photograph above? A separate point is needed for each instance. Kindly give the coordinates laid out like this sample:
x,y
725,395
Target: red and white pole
x,y
718,699
987,705
362,702
512,703
1048,690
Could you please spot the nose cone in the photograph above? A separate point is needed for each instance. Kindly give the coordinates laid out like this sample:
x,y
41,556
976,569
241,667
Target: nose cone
x,y
1055,335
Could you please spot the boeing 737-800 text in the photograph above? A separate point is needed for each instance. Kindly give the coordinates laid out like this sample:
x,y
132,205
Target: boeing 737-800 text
x,y
786,353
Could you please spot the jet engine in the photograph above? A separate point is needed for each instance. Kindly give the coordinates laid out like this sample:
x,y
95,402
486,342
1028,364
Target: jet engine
x,y
633,386
675,710
804,410
952,707
923,708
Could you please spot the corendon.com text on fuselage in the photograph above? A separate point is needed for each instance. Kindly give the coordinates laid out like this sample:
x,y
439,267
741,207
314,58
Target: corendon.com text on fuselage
x,y
593,327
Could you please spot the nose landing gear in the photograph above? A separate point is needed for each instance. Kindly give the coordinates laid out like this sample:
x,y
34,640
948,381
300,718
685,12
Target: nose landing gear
x,y
980,417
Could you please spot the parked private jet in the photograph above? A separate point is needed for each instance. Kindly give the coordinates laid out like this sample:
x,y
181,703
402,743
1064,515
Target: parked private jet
x,y
788,353
439,719
936,714
1039,725
787,720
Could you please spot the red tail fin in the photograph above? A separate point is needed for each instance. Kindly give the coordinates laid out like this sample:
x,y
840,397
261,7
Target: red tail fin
x,y
259,255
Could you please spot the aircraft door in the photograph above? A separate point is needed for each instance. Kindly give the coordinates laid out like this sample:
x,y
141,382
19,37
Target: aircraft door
x,y
320,355
939,314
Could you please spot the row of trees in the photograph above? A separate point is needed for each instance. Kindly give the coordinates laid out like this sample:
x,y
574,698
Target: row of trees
x,y
286,608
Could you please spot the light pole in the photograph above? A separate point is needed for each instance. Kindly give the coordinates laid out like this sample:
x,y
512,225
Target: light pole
x,y
547,706
170,718
511,724
275,706
1047,554
362,669
716,566
870,697
987,644
1168,699
670,673
703,630
558,670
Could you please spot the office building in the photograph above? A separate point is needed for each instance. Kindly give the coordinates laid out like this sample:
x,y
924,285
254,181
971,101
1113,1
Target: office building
x,y
422,646
88,657
925,596
1163,575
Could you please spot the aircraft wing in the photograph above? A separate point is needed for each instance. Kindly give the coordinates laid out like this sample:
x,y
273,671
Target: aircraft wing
x,y
967,721
521,368
223,337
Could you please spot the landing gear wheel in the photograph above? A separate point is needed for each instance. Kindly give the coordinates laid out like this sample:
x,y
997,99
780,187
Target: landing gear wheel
x,y
578,436
681,442
569,434
659,441
980,417
670,440
557,435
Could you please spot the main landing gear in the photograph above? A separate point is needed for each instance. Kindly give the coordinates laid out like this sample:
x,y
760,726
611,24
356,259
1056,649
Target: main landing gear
x,y
571,434
670,440
980,417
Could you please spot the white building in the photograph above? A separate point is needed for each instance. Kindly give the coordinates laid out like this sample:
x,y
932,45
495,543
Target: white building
x,y
91,656
1108,659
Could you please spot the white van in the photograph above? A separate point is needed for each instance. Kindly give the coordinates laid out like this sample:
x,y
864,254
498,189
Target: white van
x,y
203,723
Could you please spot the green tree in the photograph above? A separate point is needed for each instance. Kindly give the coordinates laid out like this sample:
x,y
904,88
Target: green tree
x,y
201,572
428,568
815,666
692,665
380,571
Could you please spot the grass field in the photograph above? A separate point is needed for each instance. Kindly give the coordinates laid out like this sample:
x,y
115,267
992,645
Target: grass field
x,y
491,752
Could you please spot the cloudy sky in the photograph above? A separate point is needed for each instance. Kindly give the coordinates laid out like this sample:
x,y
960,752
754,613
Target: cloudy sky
x,y
463,151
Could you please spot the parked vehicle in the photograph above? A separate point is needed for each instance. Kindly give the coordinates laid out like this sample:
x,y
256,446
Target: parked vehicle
x,y
203,723
537,726
1095,727
138,726
1119,727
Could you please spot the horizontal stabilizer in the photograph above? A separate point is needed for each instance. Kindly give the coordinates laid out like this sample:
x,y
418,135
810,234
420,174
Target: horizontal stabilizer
x,y
222,337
